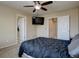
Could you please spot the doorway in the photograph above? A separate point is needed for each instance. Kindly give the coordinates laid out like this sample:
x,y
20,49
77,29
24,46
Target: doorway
x,y
21,29
53,28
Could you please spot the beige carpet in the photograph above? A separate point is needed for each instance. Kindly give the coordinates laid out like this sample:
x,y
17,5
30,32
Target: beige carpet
x,y
10,52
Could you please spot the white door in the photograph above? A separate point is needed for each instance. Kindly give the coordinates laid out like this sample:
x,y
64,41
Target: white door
x,y
21,25
63,27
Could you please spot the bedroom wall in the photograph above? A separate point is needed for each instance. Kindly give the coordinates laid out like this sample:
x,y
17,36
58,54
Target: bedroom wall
x,y
43,30
8,35
31,29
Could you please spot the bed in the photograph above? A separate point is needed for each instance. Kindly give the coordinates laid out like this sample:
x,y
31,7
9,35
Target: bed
x,y
42,47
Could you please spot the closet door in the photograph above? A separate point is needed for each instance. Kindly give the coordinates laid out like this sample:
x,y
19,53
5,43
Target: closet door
x,y
63,27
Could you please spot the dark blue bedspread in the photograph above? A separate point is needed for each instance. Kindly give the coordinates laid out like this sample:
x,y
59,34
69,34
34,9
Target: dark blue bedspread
x,y
45,48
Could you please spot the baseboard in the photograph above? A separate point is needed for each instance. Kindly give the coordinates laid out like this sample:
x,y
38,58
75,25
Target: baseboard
x,y
9,45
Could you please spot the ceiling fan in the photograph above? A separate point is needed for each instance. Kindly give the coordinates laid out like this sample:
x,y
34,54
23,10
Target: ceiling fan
x,y
37,5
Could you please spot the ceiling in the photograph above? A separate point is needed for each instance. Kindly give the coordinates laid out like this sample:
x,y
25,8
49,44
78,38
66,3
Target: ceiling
x,y
56,6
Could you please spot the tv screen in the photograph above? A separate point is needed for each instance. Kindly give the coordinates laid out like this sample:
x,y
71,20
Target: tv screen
x,y
38,20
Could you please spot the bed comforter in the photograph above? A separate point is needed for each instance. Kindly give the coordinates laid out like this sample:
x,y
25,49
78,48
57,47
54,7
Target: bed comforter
x,y
45,48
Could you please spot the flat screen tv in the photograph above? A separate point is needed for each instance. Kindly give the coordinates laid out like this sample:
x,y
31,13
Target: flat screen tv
x,y
38,20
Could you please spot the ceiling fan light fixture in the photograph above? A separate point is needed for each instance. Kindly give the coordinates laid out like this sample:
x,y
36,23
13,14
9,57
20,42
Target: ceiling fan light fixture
x,y
37,6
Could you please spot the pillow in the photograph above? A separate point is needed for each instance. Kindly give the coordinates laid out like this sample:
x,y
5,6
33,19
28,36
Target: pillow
x,y
75,37
73,47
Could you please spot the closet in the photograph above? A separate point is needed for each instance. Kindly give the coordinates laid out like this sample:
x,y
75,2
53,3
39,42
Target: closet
x,y
59,28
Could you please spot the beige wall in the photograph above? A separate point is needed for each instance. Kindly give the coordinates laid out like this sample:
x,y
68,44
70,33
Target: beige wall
x,y
31,29
8,34
73,14
42,30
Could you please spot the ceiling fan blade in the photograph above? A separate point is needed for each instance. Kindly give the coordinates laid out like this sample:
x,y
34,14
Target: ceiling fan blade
x,y
34,10
38,2
43,8
29,6
34,2
46,3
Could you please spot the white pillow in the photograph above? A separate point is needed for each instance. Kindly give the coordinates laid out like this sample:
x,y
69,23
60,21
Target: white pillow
x,y
73,47
75,37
